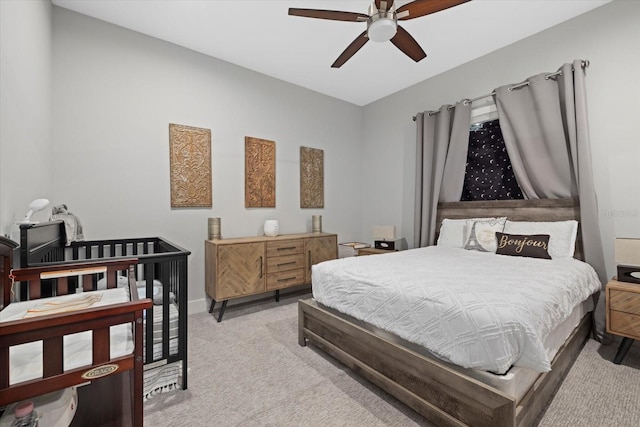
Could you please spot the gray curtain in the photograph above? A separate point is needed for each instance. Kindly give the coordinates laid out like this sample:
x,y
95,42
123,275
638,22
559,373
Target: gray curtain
x,y
441,156
545,127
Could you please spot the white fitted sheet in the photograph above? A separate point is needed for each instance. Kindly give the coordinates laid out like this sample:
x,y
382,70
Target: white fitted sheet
x,y
26,359
477,310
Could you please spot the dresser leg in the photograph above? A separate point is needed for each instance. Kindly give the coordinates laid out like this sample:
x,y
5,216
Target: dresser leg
x,y
213,304
278,295
625,345
224,305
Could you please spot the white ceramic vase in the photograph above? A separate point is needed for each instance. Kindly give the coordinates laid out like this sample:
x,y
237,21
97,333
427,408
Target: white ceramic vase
x,y
271,227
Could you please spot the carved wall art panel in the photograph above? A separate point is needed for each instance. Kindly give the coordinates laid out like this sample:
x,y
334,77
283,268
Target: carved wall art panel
x,y
259,173
311,178
190,164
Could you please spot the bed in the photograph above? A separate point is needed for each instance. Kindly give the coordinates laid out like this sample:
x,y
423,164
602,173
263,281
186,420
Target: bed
x,y
89,341
430,382
161,274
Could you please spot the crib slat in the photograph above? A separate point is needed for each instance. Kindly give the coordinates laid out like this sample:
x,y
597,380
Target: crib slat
x,y
101,345
87,282
53,354
4,367
34,288
62,286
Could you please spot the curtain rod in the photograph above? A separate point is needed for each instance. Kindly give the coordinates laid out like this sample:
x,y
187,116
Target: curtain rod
x,y
585,64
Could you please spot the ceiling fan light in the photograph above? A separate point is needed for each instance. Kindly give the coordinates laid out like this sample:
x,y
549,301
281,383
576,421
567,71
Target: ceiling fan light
x,y
382,30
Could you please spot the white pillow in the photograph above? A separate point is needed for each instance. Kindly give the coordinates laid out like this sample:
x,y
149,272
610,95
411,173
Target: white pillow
x,y
562,234
480,235
452,233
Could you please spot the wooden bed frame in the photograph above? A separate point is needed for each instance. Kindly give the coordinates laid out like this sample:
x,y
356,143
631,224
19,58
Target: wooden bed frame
x,y
441,394
114,393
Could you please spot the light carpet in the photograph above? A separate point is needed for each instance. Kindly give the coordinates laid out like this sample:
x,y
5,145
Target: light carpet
x,y
249,370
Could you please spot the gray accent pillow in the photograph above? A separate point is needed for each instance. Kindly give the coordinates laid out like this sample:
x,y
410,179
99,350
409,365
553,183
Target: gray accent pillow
x,y
480,235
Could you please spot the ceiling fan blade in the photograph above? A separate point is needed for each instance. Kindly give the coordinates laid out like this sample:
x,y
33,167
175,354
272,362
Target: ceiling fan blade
x,y
334,15
351,50
407,44
383,4
420,8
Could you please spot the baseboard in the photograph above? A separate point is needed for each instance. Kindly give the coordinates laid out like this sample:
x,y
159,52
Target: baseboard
x,y
197,306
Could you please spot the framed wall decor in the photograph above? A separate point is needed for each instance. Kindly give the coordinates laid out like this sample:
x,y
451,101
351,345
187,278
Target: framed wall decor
x,y
190,165
311,178
259,173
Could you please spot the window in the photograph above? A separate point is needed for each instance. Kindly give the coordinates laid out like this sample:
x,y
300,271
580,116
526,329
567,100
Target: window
x,y
488,175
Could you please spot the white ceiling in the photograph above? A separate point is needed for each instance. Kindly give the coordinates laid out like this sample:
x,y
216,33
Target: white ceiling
x,y
261,36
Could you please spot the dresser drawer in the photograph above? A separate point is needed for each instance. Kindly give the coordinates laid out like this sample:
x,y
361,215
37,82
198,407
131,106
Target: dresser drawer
x,y
284,263
285,279
625,324
628,302
284,247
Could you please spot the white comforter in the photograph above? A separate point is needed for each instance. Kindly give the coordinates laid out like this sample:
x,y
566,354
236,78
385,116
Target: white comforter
x,y
477,310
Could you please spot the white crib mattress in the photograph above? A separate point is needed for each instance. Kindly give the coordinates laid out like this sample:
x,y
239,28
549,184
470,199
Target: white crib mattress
x,y
26,359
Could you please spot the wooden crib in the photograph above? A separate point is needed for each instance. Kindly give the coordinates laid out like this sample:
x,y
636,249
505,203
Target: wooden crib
x,y
162,267
109,386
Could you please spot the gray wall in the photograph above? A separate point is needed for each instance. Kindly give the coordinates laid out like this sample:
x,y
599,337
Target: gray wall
x,y
115,93
608,36
25,109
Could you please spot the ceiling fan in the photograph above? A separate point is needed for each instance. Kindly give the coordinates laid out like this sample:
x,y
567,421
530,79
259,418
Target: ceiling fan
x,y
382,24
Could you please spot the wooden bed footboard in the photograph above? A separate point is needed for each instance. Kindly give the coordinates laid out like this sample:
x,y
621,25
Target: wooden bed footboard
x,y
52,328
442,395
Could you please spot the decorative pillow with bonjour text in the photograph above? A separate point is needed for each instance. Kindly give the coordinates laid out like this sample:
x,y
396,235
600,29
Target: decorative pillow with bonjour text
x,y
562,234
533,245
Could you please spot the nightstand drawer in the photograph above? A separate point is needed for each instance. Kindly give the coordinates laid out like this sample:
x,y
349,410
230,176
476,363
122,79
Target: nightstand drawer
x,y
628,302
373,251
625,324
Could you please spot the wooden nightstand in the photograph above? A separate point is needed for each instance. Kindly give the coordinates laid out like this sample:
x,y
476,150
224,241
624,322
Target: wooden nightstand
x,y
623,314
373,251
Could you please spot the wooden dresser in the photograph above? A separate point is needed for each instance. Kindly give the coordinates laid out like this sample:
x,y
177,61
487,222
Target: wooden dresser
x,y
247,266
623,314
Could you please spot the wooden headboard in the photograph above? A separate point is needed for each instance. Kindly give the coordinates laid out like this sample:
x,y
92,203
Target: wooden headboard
x,y
516,210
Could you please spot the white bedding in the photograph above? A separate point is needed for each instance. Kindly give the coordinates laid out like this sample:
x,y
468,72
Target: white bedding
x,y
476,310
26,359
